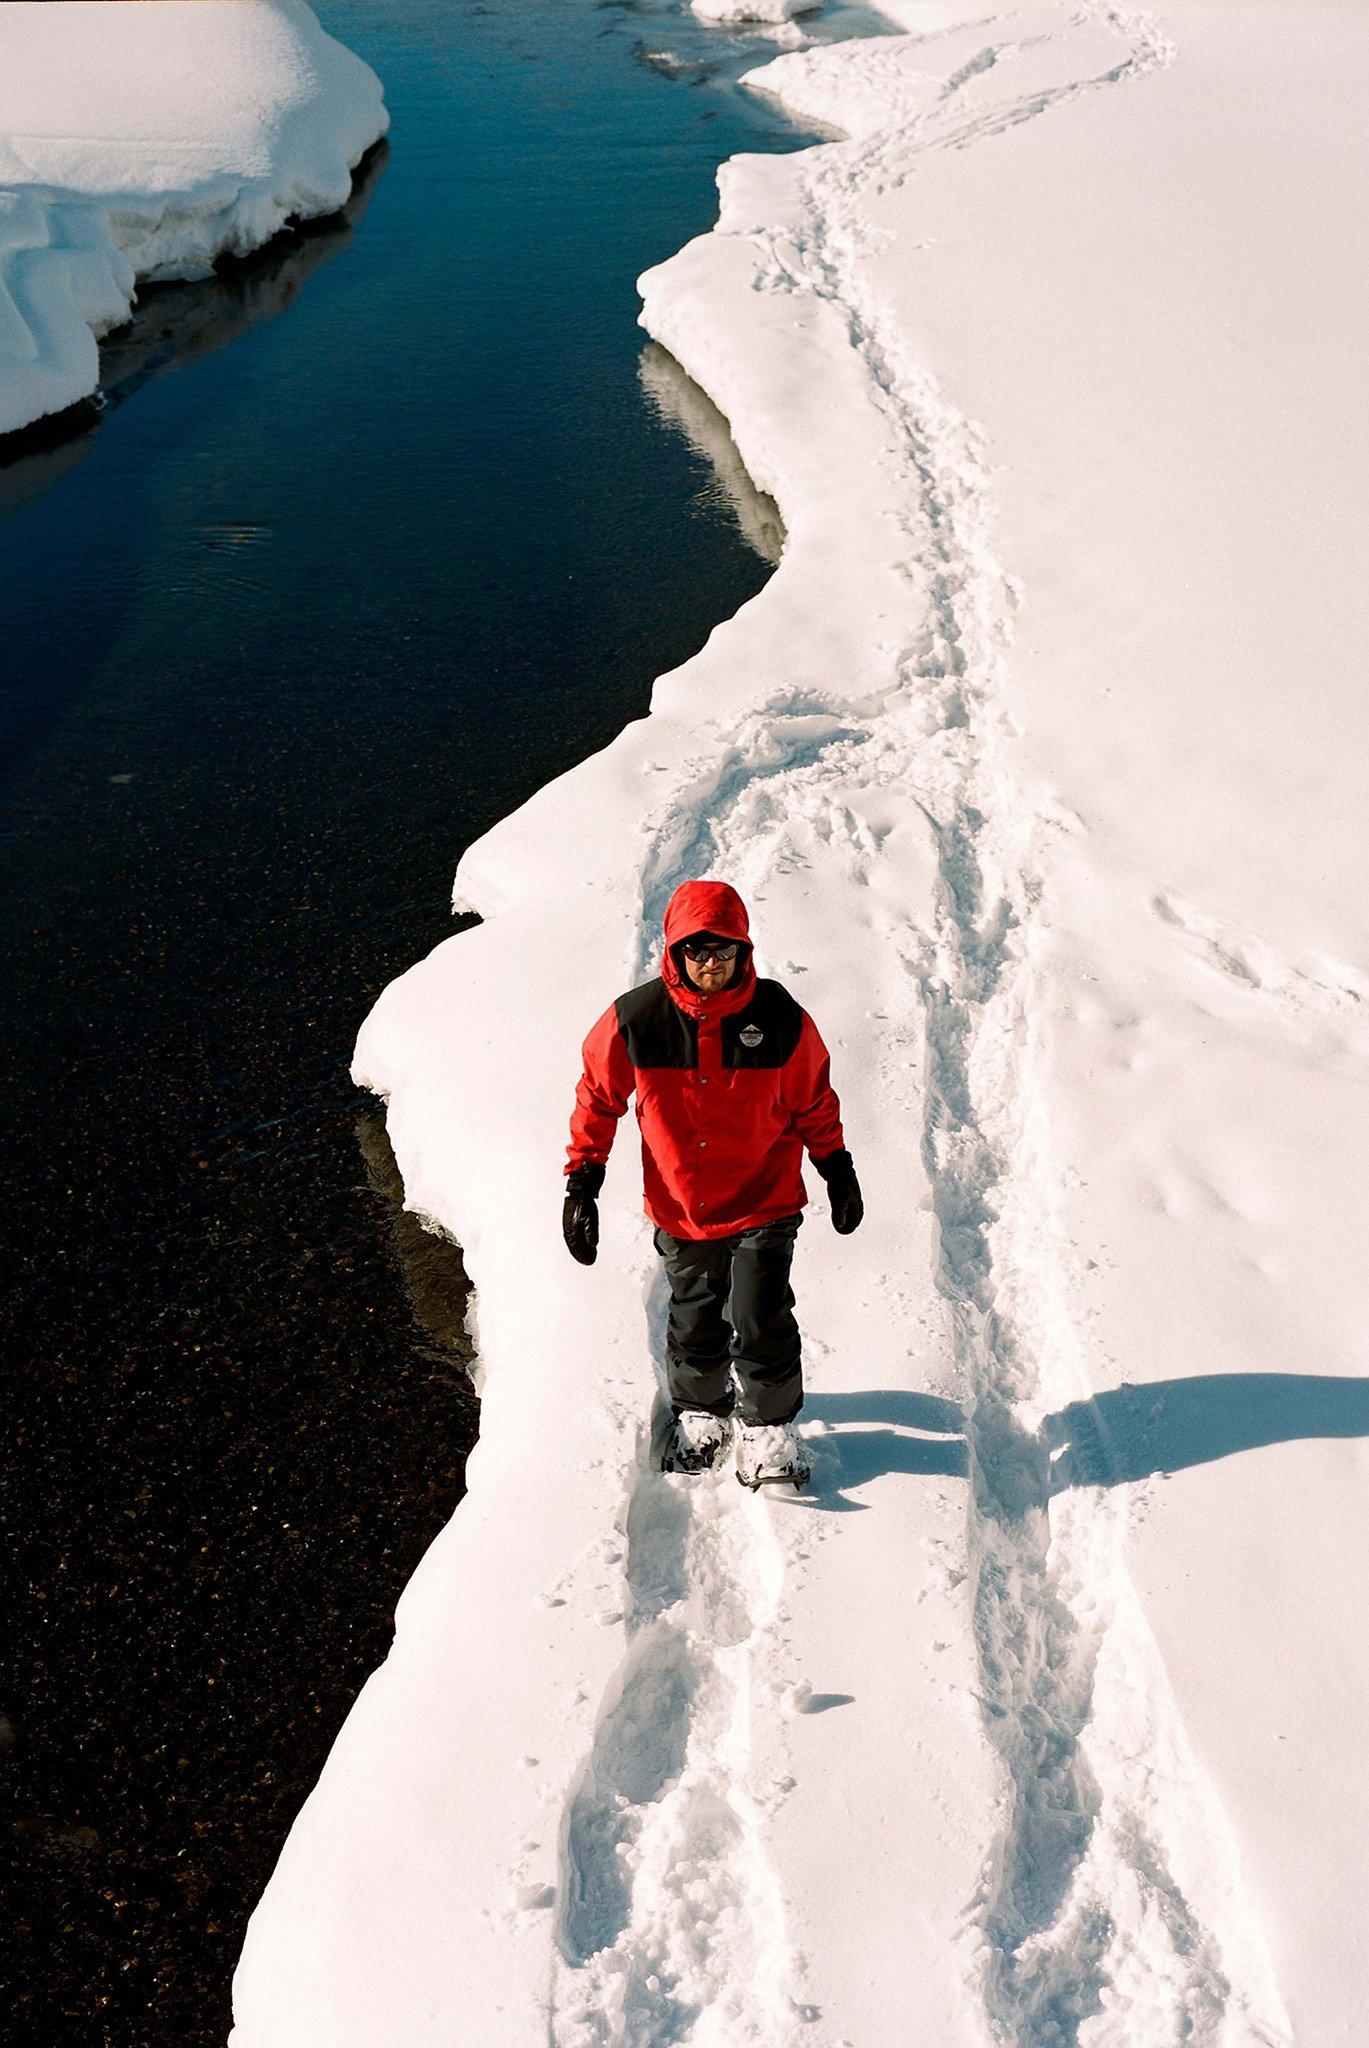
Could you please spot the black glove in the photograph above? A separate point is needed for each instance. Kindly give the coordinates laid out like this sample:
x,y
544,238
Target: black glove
x,y
843,1190
580,1213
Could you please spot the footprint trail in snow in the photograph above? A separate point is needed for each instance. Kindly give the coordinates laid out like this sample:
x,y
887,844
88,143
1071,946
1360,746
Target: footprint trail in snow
x,y
1110,1908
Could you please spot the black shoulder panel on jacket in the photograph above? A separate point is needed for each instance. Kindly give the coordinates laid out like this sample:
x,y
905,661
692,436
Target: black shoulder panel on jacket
x,y
655,1031
766,1032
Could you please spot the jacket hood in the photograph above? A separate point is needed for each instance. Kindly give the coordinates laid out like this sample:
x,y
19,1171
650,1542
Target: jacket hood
x,y
708,907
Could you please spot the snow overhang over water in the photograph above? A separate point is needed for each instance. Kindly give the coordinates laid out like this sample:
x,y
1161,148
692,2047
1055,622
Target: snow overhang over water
x,y
145,141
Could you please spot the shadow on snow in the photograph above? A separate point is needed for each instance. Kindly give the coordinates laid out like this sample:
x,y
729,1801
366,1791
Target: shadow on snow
x,y
1125,1434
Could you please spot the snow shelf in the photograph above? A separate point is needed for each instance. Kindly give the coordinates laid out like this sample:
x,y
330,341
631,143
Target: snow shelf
x,y
739,13
1040,760
142,142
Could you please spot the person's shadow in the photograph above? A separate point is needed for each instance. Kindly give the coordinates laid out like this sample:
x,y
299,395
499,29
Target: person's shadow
x,y
1131,1432
883,1430
1110,1439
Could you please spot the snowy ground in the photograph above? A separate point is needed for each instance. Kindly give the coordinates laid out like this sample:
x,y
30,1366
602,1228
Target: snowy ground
x,y
739,11
1041,760
144,142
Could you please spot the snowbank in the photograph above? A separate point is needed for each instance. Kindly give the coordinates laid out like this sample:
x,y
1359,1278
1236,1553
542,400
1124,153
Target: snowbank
x,y
752,10
143,142
1038,759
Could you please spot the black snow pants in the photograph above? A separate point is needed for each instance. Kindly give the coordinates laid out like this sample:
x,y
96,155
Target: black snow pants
x,y
732,1311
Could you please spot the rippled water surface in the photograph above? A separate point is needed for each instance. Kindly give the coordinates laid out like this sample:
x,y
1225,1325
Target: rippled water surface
x,y
375,535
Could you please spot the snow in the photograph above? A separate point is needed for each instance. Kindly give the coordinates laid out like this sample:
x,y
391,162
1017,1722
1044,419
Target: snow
x,y
1041,761
141,142
734,12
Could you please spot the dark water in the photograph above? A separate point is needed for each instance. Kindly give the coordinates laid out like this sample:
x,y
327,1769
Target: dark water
x,y
376,534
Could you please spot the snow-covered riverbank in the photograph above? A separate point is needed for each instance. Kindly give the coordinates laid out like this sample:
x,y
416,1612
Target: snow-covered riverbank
x,y
1041,762
143,142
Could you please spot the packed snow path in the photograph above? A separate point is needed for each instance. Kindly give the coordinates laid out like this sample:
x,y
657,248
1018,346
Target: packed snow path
x,y
654,1761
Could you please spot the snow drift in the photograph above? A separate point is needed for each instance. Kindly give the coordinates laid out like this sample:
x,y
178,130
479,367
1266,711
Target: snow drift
x,y
1039,760
740,11
144,142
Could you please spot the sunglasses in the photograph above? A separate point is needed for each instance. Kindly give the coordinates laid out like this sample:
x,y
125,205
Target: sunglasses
x,y
699,950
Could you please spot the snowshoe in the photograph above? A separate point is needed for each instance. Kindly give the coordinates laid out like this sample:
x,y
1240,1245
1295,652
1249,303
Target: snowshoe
x,y
697,1441
770,1453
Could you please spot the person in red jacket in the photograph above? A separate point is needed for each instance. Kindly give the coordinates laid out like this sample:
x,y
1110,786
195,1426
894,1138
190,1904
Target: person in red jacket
x,y
732,1087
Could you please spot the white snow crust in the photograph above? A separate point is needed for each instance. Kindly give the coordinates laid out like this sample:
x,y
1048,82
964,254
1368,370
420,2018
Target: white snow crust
x,y
143,142
738,11
1041,761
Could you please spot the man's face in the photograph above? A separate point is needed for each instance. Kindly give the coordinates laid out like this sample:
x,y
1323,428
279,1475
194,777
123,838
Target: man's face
x,y
710,974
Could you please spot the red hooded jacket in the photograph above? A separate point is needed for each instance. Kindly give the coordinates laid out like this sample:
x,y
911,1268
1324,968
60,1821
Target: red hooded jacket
x,y
730,1087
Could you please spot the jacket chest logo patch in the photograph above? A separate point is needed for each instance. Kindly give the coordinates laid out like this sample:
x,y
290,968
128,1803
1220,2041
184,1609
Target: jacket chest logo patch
x,y
750,1036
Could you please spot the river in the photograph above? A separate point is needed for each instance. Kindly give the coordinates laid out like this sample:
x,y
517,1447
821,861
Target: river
x,y
375,535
